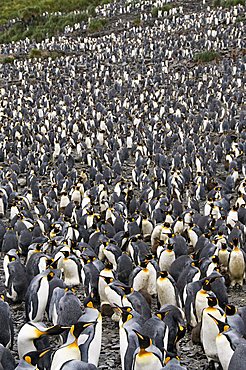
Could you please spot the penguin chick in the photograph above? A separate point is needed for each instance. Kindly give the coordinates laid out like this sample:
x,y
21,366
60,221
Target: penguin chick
x,y
7,329
17,281
238,358
7,361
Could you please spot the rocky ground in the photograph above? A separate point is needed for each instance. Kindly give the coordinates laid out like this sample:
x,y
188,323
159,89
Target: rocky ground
x,y
192,355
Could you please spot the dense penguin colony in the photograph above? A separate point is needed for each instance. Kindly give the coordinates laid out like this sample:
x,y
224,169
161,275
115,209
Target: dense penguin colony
x,y
123,192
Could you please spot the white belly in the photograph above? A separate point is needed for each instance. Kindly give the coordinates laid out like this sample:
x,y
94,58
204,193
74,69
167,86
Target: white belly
x,y
209,332
224,351
166,292
147,362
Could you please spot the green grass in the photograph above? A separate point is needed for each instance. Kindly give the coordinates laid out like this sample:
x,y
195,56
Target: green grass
x,y
34,24
137,21
228,3
164,8
241,18
97,25
10,9
7,60
206,56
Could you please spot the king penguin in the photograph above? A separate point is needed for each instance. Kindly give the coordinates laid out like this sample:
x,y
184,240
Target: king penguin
x,y
147,355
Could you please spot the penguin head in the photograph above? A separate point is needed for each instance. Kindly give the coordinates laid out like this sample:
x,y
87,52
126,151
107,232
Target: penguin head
x,y
108,265
163,274
144,264
223,246
161,314
181,332
79,327
126,315
149,257
89,302
221,325
212,301
50,275
32,358
235,242
195,263
171,356
230,310
66,254
107,279
144,340
127,289
206,285
215,259
169,247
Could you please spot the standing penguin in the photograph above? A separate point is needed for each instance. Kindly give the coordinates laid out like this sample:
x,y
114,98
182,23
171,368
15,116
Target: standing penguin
x,y
70,266
236,265
166,257
147,355
128,338
37,296
70,350
33,336
7,329
167,291
7,361
238,358
209,329
17,281
91,348
226,342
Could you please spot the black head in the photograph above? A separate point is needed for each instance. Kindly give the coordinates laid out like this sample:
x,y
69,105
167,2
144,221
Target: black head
x,y
32,358
107,279
181,333
230,310
89,302
221,325
126,316
127,289
212,301
215,259
79,327
163,274
206,285
144,341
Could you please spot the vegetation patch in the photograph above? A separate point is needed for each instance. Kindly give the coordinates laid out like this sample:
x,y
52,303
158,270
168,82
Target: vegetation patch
x,y
39,19
38,53
228,3
97,25
241,18
206,56
6,59
137,21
